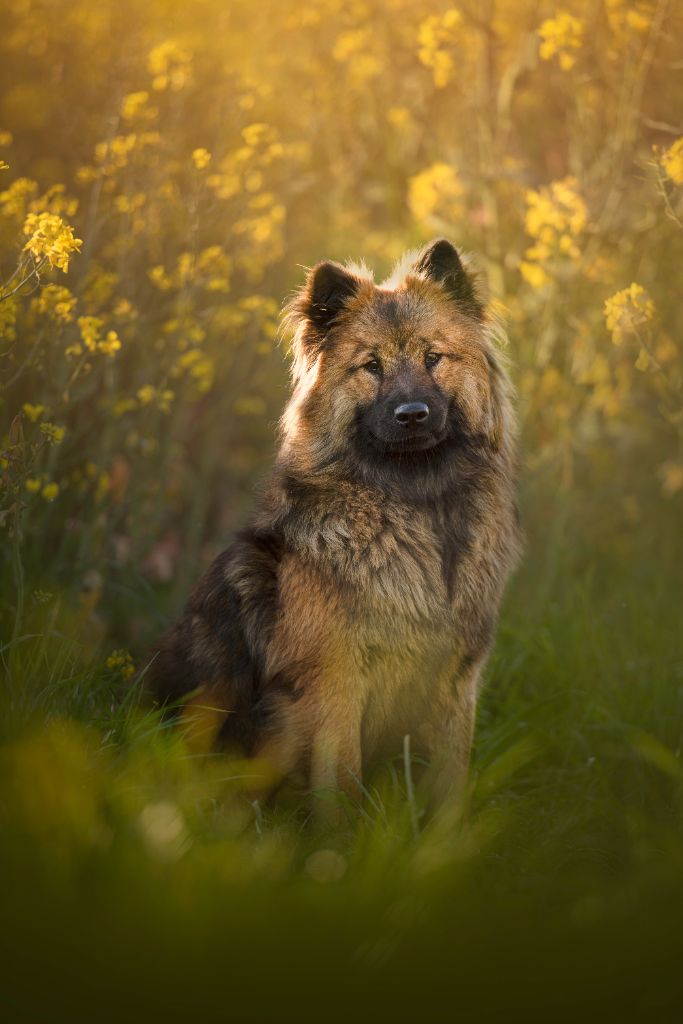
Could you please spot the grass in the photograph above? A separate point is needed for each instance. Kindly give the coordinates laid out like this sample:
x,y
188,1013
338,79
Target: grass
x,y
140,881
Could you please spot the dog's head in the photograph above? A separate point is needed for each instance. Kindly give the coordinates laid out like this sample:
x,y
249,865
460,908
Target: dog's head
x,y
403,375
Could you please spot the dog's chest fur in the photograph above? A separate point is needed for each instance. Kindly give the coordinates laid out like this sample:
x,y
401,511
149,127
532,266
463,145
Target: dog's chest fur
x,y
389,570
394,564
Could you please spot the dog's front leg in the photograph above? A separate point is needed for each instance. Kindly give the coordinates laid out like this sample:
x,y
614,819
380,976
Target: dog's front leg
x,y
336,757
449,733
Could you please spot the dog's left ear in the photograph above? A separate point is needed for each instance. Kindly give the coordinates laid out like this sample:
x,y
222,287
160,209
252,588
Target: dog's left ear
x,y
440,262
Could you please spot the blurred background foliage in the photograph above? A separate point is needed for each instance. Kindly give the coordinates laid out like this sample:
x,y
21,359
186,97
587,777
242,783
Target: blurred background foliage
x,y
167,170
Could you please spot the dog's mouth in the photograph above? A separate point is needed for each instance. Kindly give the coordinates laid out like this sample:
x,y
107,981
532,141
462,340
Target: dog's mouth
x,y
416,445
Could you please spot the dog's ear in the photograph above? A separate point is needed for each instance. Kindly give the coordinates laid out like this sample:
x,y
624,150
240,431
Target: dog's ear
x,y
327,290
440,262
312,313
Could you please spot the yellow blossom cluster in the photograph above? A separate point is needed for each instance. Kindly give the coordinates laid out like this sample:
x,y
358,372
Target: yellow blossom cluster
x,y
48,489
50,239
556,216
210,269
627,311
52,433
198,366
90,328
121,663
201,158
672,161
136,107
561,37
14,199
357,50
437,37
114,155
170,65
161,397
56,302
627,16
436,194
33,412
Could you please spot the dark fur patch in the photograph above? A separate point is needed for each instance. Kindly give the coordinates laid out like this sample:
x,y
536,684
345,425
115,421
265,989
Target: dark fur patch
x,y
221,640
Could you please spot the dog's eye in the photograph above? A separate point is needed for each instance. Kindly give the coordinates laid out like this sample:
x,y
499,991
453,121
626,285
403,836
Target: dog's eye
x,y
373,366
432,358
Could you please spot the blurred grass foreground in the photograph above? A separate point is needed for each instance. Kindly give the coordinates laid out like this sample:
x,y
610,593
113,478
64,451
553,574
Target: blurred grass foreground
x,y
166,170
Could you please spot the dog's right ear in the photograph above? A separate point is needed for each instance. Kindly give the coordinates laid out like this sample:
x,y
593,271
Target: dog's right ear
x,y
313,311
327,290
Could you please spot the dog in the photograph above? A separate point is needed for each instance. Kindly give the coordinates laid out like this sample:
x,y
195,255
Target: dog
x,y
360,604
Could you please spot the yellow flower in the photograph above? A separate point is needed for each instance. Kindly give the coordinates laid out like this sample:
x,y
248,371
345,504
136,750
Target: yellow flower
x,y
253,134
436,37
436,191
5,138
214,267
50,491
146,394
624,15
349,43
51,239
14,200
165,399
110,345
627,310
34,412
4,166
672,161
201,158
33,484
124,405
90,328
200,368
120,661
160,278
135,104
224,185
125,310
169,64
561,36
555,216
53,433
56,302
534,274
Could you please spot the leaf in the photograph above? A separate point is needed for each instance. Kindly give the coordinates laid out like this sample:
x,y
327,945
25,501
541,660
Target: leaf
x,y
643,362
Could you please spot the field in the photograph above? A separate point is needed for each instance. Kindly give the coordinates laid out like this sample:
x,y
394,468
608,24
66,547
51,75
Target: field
x,y
166,173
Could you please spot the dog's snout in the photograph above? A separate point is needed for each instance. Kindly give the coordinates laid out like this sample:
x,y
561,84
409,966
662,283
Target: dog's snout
x,y
411,414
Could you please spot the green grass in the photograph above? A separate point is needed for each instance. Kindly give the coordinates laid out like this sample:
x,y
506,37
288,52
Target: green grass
x,y
140,882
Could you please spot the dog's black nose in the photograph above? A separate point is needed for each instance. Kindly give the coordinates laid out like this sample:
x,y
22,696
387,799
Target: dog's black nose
x,y
411,413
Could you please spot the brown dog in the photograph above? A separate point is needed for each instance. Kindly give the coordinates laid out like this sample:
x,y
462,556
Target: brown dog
x,y
361,603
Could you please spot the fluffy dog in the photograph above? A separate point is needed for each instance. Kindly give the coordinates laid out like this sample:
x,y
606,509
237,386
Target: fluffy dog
x,y
361,603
